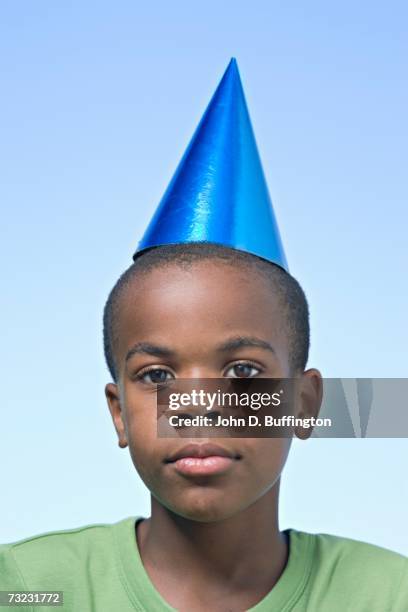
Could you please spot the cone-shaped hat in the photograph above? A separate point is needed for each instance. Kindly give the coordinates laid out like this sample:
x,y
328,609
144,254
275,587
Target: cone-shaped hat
x,y
218,192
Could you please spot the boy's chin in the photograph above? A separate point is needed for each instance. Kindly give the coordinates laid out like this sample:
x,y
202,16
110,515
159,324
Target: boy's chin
x,y
213,515
207,510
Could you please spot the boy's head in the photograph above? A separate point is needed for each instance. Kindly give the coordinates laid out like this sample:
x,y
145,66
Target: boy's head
x,y
201,310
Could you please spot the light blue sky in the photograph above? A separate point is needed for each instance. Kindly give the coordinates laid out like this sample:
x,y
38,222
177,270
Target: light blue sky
x,y
99,100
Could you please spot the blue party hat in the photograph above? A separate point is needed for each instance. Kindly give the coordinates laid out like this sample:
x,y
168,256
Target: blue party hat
x,y
218,192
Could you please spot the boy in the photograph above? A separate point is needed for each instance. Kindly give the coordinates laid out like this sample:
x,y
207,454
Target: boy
x,y
208,296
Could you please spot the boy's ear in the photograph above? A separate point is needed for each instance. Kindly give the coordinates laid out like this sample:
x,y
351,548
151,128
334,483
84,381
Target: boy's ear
x,y
310,400
113,399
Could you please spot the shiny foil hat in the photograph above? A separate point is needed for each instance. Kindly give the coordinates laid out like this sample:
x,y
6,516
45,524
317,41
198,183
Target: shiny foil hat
x,y
218,192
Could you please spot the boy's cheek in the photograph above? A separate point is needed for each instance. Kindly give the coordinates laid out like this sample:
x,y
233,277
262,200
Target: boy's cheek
x,y
277,453
141,413
147,459
265,459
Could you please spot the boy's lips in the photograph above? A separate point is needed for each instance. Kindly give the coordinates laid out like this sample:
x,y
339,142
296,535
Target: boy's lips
x,y
202,459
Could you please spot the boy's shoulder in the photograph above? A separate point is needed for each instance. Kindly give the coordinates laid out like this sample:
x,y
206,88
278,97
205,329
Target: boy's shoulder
x,y
50,540
344,547
52,554
350,569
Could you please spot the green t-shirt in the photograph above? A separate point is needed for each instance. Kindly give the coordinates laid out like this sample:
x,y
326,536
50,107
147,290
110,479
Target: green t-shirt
x,y
99,569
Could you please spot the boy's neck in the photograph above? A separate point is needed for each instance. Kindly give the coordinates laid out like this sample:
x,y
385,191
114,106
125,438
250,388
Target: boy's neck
x,y
246,549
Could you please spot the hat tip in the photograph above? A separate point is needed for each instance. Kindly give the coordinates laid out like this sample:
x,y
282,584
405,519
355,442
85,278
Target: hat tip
x,y
232,68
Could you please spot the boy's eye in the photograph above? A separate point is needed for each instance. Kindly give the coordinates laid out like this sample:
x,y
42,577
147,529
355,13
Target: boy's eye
x,y
242,370
155,376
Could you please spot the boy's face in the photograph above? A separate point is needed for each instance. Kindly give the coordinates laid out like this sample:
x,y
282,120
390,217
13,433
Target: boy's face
x,y
173,323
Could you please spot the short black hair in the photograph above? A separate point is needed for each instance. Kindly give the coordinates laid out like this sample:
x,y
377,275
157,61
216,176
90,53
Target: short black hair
x,y
288,290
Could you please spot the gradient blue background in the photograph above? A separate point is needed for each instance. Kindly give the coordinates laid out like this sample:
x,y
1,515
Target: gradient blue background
x,y
98,102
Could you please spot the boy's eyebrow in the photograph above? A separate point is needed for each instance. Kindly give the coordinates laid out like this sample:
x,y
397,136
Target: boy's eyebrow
x,y
149,349
241,341
229,345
